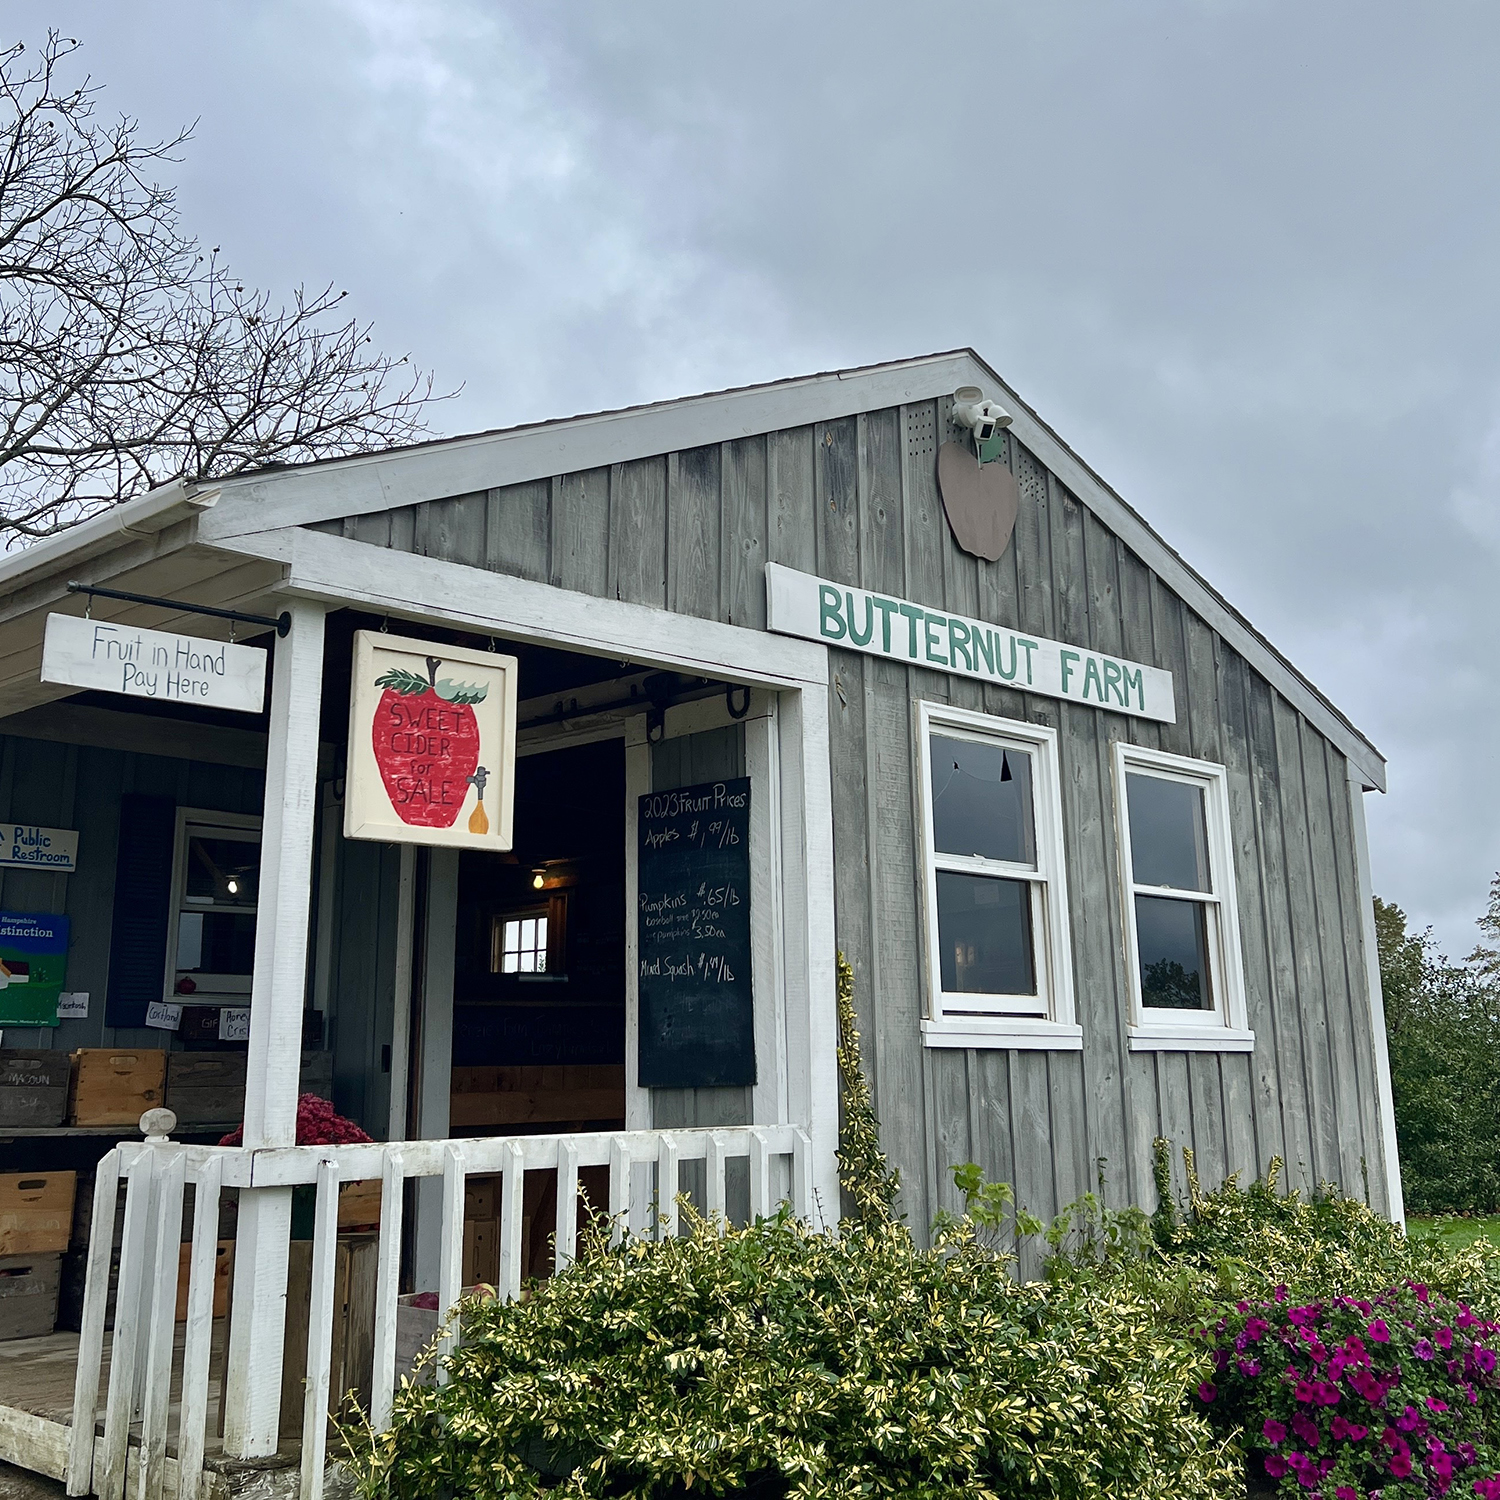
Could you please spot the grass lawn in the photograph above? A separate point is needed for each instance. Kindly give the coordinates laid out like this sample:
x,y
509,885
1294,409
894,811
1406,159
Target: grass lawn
x,y
1457,1232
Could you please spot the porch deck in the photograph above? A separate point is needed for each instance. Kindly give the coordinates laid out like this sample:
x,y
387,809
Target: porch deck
x,y
36,1401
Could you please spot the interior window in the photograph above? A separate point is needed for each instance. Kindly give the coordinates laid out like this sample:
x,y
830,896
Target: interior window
x,y
519,943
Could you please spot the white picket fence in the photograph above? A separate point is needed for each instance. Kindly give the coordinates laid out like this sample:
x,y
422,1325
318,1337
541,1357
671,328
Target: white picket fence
x,y
645,1179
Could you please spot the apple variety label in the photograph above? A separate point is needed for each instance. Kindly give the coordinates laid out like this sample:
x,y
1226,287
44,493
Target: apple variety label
x,y
432,732
158,664
697,1021
859,620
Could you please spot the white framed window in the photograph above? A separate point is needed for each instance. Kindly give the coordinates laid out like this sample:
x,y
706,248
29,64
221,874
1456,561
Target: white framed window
x,y
518,943
996,899
215,892
1182,935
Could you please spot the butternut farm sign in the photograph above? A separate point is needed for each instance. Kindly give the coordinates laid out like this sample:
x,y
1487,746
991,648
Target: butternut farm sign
x,y
856,619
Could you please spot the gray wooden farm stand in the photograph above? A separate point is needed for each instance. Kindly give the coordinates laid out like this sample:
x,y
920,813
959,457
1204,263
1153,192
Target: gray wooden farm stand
x,y
678,507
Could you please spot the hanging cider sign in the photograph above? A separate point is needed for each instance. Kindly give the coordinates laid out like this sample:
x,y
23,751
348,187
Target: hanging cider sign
x,y
432,744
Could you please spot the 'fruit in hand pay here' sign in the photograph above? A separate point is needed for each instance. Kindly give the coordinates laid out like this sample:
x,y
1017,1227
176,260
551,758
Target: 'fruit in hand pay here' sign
x,y
431,743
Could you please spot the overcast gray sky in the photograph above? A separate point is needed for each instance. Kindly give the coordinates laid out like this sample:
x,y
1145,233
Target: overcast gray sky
x,y
1244,256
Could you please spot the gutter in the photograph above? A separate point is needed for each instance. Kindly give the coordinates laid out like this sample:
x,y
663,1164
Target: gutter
x,y
135,519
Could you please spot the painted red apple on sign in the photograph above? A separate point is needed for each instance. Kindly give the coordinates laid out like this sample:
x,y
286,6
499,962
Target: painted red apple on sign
x,y
426,742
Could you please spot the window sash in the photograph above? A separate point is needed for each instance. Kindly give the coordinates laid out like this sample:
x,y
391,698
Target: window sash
x,y
195,823
1050,959
1221,935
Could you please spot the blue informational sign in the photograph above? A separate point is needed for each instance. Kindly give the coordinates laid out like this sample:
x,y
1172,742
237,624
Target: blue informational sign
x,y
33,967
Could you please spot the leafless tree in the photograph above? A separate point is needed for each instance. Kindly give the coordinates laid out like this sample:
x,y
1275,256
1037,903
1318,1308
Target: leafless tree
x,y
128,354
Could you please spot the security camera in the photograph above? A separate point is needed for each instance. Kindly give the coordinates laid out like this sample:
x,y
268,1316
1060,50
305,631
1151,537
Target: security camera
x,y
983,418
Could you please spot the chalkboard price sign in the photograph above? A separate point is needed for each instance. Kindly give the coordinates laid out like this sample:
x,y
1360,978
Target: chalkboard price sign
x,y
697,1020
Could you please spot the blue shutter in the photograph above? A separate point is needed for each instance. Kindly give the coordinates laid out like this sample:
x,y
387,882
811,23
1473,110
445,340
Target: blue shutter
x,y
143,900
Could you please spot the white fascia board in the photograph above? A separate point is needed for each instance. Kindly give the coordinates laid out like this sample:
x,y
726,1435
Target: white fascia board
x,y
142,517
383,481
342,572
461,466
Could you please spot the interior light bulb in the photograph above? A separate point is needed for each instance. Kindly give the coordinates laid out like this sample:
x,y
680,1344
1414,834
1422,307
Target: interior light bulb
x,y
536,881
234,887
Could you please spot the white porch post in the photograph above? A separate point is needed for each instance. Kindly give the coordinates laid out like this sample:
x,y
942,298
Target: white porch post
x,y
811,1012
253,1403
435,1062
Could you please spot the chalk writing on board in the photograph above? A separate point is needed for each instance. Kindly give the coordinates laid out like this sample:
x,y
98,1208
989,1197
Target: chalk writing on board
x,y
693,925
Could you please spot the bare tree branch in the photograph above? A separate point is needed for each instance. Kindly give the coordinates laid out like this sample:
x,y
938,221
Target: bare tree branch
x,y
129,356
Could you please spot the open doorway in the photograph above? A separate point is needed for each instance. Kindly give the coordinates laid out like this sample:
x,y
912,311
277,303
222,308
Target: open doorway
x,y
539,982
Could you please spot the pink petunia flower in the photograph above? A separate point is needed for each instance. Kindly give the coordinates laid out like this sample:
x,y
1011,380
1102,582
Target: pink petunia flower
x,y
1379,1332
1273,1432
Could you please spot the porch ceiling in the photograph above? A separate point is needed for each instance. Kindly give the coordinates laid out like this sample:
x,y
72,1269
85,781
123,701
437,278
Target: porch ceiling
x,y
165,563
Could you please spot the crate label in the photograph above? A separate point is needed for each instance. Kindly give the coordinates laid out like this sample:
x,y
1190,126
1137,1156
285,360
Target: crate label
x,y
234,1023
162,1016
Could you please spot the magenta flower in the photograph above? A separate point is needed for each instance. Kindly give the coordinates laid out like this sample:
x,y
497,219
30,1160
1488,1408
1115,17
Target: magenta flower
x,y
1256,1329
1345,1492
1379,1332
1433,1404
1400,1465
1273,1432
1344,1430
1444,1338
1485,1359
1306,1391
1276,1467
1306,1429
1207,1391
1249,1368
1422,1349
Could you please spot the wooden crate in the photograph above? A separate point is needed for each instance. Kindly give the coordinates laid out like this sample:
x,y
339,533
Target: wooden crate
x,y
206,1088
359,1204
481,1252
115,1085
223,1269
36,1212
33,1087
481,1198
545,1094
28,1295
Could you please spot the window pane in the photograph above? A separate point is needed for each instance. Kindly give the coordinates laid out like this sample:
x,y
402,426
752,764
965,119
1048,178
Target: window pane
x,y
509,964
981,800
1173,939
528,962
224,871
984,935
512,935
1168,840
528,933
216,942
541,934
190,940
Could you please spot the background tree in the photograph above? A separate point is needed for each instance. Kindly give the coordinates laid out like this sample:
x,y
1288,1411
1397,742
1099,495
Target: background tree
x,y
130,356
1443,1028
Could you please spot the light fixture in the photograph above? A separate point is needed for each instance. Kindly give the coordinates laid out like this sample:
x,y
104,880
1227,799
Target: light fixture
x,y
234,887
538,878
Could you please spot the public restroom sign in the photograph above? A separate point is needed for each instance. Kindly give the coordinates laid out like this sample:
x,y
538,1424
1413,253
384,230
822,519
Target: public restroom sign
x,y
432,744
159,664
896,629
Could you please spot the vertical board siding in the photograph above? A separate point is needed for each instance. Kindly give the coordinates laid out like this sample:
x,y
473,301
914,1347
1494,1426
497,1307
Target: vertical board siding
x,y
856,500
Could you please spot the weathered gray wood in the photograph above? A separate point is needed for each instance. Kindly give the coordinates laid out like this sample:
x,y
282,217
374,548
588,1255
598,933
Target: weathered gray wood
x,y
1324,858
518,530
694,512
580,532
451,529
1306,956
638,531
791,529
743,530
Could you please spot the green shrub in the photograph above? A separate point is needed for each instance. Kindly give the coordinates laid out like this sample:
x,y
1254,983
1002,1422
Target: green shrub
x,y
778,1360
